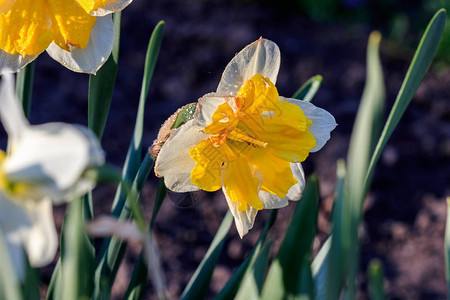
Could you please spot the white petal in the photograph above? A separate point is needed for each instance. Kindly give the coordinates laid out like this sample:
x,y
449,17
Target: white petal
x,y
244,220
31,225
41,241
295,192
206,107
91,58
13,63
272,201
323,121
13,222
53,157
111,7
174,162
260,57
11,112
5,5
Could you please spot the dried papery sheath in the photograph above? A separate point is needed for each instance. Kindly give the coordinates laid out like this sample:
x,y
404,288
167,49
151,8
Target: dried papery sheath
x,y
181,116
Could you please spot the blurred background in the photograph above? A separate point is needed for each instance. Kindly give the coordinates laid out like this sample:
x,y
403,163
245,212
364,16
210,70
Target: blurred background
x,y
405,211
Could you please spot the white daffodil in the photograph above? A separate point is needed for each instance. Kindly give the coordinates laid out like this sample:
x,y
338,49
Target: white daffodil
x,y
44,164
76,33
246,139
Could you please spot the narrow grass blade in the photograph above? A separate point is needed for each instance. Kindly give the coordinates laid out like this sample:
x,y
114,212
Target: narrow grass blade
x,y
344,253
447,248
55,285
376,280
309,89
139,276
133,158
232,286
320,265
253,280
421,62
113,249
9,287
198,285
24,87
76,259
287,271
30,288
101,85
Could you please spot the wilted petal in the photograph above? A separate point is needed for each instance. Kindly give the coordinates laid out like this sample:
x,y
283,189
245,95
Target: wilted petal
x,y
51,158
323,121
13,63
91,58
174,162
260,57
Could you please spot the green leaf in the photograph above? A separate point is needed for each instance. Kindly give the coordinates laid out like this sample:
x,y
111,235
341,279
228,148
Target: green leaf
x,y
290,272
198,285
254,278
344,253
232,286
139,277
447,248
187,113
133,158
309,89
9,287
77,259
112,251
376,280
24,87
101,85
417,70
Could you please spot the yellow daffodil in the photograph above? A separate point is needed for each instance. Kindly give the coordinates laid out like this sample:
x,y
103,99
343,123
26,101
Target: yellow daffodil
x,y
246,139
76,33
44,165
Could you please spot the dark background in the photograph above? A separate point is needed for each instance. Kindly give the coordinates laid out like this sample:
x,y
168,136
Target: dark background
x,y
405,211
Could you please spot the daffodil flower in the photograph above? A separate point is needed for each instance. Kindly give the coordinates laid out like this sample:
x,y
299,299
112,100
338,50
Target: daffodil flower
x,y
44,165
76,33
246,139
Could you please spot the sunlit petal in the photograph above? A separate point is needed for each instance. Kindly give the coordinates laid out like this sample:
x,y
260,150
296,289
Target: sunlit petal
x,y
103,7
13,63
260,57
322,121
97,51
174,162
244,220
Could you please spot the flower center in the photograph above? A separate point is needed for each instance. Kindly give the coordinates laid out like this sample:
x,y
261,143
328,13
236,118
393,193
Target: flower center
x,y
254,138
